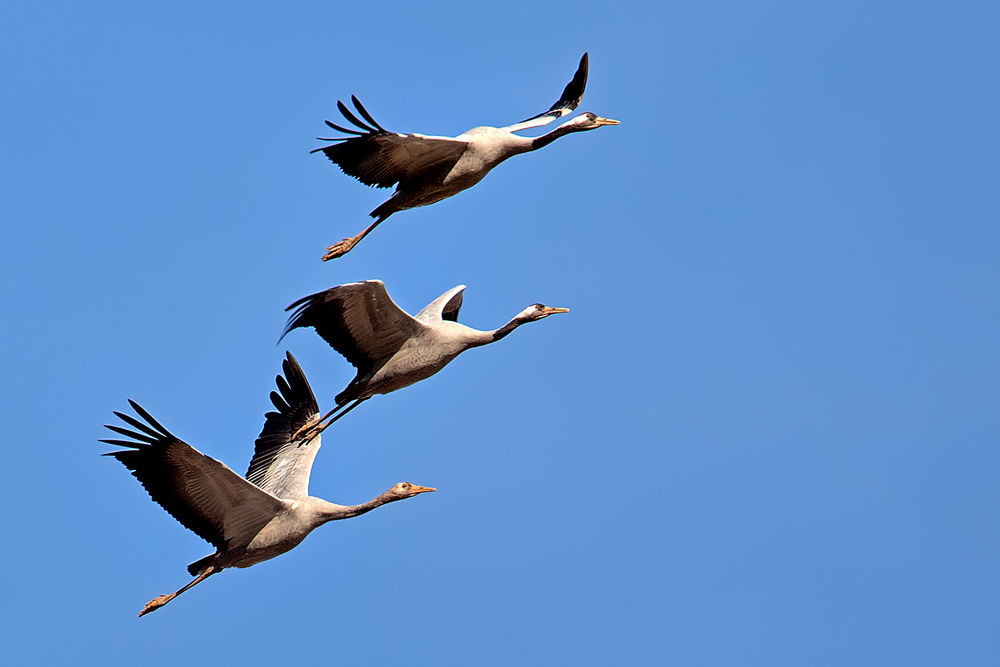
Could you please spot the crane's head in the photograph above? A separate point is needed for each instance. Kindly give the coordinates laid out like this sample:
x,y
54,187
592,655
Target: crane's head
x,y
588,121
405,490
537,311
532,313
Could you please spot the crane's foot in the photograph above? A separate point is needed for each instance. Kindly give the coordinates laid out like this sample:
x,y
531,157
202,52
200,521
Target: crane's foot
x,y
155,604
307,431
339,249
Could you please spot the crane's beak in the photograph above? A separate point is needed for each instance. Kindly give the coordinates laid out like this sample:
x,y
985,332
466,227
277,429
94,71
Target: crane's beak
x,y
421,489
605,121
552,311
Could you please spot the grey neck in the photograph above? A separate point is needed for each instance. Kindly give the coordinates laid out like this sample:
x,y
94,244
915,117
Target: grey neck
x,y
336,512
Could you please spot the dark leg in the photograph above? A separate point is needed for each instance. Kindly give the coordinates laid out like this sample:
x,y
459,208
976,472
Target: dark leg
x,y
156,603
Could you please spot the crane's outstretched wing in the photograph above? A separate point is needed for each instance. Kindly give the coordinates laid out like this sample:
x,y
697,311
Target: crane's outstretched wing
x,y
570,99
202,493
445,307
358,320
450,311
281,464
381,158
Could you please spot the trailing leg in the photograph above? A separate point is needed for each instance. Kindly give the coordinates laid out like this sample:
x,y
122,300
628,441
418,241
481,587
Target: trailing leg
x,y
345,246
158,602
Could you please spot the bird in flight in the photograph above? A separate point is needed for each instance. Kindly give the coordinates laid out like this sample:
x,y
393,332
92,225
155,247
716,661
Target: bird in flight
x,y
248,520
426,169
390,348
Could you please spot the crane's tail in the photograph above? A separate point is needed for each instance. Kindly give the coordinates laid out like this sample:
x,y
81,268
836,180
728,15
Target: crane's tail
x,y
385,209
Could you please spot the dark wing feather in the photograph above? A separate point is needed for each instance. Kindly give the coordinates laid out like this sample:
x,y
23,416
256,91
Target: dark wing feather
x,y
358,320
572,94
280,463
570,99
202,493
338,128
364,113
450,311
346,113
382,159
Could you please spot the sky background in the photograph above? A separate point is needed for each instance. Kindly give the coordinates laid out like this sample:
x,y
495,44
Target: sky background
x,y
767,433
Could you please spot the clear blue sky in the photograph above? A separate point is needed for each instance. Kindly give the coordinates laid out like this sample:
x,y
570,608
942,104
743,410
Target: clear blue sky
x,y
766,434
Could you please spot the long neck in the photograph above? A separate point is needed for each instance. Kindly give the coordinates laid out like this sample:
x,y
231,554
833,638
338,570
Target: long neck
x,y
546,139
333,512
506,329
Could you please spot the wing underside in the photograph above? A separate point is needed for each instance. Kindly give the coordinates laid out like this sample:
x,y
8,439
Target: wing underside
x,y
358,320
202,493
281,464
380,158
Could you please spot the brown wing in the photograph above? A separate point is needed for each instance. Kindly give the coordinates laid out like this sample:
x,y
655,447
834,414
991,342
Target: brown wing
x,y
381,159
358,320
202,493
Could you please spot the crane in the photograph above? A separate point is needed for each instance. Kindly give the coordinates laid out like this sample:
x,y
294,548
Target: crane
x,y
390,348
248,520
426,169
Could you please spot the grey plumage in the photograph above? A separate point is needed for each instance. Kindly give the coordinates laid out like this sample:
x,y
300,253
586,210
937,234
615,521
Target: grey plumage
x,y
426,169
390,348
247,520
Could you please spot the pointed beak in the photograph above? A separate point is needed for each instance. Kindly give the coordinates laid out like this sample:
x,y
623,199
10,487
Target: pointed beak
x,y
552,311
421,489
606,121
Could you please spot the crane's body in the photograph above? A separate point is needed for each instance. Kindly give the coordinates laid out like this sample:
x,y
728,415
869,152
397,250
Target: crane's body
x,y
476,153
422,357
289,526
390,348
252,519
483,148
426,169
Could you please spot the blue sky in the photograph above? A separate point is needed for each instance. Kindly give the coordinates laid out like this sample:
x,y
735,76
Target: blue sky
x,y
766,433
